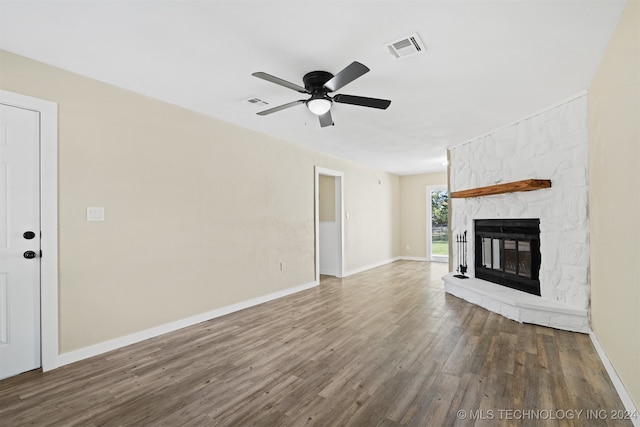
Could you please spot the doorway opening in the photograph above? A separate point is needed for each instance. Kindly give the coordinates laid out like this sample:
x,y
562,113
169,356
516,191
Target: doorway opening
x,y
437,224
329,224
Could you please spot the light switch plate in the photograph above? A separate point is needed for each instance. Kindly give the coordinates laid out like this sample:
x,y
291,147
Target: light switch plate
x,y
95,213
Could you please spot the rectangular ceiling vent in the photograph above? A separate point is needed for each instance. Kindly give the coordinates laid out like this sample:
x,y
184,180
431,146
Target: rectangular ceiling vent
x,y
255,102
406,47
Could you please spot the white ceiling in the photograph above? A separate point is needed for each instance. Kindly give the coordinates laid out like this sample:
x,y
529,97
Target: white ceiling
x,y
487,63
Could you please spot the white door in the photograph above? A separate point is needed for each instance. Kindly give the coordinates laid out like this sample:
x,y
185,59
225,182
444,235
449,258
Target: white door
x,y
19,240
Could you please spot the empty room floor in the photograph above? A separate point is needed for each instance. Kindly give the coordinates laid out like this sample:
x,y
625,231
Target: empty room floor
x,y
386,347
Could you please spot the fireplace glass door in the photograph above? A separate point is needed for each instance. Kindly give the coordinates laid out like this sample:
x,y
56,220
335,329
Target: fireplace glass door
x,y
491,253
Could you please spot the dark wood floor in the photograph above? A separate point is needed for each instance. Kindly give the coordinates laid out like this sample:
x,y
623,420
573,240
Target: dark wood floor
x,y
386,347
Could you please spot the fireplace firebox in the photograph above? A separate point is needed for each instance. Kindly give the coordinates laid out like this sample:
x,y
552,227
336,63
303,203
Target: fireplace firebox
x,y
507,252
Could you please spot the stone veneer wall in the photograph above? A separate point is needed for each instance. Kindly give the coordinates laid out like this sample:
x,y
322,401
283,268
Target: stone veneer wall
x,y
549,145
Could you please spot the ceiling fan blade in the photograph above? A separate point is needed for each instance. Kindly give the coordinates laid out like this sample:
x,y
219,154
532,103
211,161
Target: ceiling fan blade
x,y
281,107
279,81
325,119
346,76
363,101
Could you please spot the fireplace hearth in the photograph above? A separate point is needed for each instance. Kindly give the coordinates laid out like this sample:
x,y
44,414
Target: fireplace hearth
x,y
507,252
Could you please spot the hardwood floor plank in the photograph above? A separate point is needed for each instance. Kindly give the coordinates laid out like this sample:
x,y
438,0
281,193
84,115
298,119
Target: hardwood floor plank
x,y
433,410
386,347
468,395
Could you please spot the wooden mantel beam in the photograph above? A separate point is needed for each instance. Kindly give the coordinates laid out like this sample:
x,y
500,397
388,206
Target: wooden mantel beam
x,y
509,187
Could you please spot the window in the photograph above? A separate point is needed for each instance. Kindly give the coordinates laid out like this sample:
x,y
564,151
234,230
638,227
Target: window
x,y
438,227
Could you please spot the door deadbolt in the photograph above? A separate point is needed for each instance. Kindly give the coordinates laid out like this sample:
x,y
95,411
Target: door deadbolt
x,y
29,235
29,254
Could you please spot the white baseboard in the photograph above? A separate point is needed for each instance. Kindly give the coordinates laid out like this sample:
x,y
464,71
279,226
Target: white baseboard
x,y
369,267
103,347
414,258
436,258
617,383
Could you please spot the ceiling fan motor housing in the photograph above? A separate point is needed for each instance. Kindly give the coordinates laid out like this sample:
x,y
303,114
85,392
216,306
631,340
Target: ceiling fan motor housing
x,y
315,80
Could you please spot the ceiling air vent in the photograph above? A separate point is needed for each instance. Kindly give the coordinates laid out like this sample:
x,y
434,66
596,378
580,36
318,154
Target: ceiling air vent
x,y
255,102
405,47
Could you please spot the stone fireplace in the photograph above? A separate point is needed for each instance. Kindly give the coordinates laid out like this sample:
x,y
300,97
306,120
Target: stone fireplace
x,y
551,145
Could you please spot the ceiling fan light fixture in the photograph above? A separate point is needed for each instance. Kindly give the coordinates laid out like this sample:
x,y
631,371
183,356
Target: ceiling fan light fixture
x,y
319,106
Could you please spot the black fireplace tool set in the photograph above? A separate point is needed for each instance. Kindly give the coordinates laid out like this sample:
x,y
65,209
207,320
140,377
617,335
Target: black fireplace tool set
x,y
461,245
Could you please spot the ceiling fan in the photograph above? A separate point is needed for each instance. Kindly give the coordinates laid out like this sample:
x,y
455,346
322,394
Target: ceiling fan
x,y
319,84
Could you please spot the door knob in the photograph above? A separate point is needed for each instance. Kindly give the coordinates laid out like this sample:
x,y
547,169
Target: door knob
x,y
29,235
29,254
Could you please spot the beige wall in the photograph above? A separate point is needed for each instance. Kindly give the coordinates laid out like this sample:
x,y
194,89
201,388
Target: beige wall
x,y
415,211
614,198
199,213
327,198
371,199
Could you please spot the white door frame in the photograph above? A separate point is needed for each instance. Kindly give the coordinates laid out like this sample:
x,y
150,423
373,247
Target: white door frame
x,y
339,217
48,220
436,258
